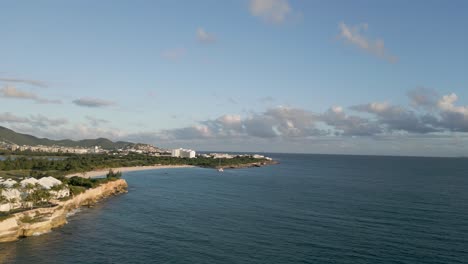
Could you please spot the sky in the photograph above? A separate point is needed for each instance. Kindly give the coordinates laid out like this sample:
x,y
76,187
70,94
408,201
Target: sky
x,y
334,77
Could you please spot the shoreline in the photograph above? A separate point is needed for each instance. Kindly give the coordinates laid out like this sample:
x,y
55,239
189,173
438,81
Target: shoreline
x,y
103,172
42,220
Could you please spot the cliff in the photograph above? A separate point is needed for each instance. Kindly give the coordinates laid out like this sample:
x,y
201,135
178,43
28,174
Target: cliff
x,y
42,220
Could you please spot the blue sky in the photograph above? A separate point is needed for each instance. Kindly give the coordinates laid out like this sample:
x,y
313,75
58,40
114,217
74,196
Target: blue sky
x,y
249,75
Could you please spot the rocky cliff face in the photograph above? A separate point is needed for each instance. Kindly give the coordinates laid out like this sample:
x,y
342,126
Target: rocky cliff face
x,y
42,220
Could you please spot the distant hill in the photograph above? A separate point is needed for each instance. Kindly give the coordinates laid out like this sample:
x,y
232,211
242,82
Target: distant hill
x,y
11,136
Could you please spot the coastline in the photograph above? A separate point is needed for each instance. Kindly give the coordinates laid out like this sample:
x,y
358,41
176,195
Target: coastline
x,y
103,172
42,220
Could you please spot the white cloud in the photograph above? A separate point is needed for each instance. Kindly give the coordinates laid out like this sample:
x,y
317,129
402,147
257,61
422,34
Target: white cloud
x,y
368,120
397,118
423,97
204,36
355,35
37,120
96,121
452,117
284,122
26,81
272,11
12,92
346,125
381,121
446,103
92,102
8,117
44,121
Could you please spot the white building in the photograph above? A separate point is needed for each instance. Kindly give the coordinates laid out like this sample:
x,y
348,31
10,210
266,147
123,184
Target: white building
x,y
183,153
187,153
221,156
175,153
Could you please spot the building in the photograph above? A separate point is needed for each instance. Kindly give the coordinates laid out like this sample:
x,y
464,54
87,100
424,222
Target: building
x,y
187,153
175,153
183,153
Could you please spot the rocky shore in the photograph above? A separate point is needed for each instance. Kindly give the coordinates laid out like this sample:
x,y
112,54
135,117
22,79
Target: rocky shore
x,y
249,165
42,220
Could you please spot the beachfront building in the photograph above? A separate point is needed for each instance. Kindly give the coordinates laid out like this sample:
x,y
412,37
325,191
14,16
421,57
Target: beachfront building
x,y
187,153
183,153
175,153
222,156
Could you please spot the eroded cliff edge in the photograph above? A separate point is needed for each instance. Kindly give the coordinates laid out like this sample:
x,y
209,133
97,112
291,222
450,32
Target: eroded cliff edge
x,y
42,220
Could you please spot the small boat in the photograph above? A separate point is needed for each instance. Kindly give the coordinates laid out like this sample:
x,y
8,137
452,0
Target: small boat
x,y
220,169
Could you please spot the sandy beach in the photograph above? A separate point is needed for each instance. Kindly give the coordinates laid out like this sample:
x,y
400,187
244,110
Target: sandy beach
x,y
103,172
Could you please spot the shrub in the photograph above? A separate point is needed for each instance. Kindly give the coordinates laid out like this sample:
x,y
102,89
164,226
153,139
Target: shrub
x,y
75,190
83,182
112,174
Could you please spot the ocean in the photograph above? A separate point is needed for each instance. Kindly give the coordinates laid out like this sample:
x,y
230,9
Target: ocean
x,y
308,209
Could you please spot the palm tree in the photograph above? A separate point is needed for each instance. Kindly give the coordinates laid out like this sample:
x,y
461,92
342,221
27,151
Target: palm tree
x,y
28,199
29,188
41,196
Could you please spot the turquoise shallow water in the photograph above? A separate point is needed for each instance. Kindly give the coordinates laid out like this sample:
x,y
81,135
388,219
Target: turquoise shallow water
x,y
308,209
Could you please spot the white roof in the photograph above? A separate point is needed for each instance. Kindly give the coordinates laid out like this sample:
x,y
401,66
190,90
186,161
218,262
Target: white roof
x,y
11,193
48,182
29,181
8,182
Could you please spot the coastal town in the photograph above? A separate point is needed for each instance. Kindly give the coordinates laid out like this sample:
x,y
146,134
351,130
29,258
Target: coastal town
x,y
147,149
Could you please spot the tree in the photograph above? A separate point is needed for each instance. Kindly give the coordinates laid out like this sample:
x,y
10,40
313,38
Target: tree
x,y
112,174
40,196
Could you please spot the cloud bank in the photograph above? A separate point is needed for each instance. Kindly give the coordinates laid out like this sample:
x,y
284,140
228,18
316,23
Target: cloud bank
x,y
424,115
428,119
37,121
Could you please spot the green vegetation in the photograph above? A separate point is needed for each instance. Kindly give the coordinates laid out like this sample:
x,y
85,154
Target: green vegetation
x,y
31,220
75,190
39,167
111,174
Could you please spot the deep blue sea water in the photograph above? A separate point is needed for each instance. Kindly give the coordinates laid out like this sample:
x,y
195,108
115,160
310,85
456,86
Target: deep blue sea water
x,y
308,209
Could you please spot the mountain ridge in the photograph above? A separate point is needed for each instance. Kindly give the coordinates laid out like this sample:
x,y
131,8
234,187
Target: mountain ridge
x,y
11,136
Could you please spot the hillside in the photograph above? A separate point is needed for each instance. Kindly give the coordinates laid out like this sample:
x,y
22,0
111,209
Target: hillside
x,y
11,136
